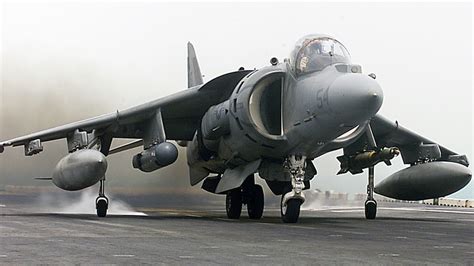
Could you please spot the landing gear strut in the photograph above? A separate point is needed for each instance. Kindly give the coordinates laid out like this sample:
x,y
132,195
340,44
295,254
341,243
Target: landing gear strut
x,y
292,200
101,202
250,194
370,203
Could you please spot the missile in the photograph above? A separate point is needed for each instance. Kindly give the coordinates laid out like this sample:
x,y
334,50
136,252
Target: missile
x,y
155,157
425,181
356,163
79,170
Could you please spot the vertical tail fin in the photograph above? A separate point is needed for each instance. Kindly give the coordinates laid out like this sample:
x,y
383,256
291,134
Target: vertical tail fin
x,y
194,72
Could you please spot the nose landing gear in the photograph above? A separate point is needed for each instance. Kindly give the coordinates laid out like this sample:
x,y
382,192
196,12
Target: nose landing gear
x,y
291,201
101,202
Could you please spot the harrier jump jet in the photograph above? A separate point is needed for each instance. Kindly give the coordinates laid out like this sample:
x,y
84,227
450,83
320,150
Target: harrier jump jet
x,y
272,121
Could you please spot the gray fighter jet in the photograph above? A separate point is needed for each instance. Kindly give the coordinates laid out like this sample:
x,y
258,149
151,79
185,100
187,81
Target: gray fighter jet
x,y
272,121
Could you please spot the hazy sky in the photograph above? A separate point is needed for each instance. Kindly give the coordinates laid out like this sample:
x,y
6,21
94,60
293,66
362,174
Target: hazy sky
x,y
64,62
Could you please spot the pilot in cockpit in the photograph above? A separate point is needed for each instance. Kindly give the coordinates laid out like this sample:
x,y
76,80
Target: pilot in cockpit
x,y
314,54
309,56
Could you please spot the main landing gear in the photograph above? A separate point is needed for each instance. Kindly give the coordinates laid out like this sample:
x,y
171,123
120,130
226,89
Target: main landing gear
x,y
250,194
101,202
370,203
291,201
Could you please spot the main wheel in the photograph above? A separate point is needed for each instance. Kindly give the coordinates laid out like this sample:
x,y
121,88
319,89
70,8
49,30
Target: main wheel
x,y
370,209
101,205
233,203
290,212
255,202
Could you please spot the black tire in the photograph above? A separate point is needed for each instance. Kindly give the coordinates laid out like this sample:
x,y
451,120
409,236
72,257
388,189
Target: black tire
x,y
370,209
291,212
233,203
255,203
101,206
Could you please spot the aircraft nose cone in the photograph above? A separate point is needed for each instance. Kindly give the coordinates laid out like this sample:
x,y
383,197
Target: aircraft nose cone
x,y
356,97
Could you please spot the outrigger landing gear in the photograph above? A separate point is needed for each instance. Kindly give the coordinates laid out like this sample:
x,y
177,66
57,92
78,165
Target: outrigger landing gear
x,y
292,200
101,202
370,203
250,194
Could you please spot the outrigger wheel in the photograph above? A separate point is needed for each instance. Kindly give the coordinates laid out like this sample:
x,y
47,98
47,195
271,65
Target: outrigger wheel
x,y
101,205
101,202
370,209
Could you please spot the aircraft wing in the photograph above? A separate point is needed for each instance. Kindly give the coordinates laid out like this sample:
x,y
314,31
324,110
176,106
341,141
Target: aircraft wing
x,y
181,113
412,145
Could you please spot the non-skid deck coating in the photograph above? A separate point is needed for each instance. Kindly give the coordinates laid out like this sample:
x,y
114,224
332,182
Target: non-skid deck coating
x,y
402,233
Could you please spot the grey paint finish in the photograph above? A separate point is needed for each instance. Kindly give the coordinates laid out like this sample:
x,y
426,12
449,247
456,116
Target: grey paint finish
x,y
425,181
79,170
194,72
268,114
233,178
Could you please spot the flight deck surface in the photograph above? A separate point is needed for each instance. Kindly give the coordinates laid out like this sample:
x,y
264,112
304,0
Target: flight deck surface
x,y
331,233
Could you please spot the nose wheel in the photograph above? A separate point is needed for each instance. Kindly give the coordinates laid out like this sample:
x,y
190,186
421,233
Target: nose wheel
x,y
101,202
290,211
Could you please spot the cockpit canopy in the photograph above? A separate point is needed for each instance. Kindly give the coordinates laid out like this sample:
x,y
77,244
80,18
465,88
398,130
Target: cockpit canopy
x,y
315,52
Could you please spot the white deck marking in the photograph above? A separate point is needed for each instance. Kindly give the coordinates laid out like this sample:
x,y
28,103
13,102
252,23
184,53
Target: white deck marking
x,y
425,210
443,247
465,220
186,257
302,227
347,211
193,215
389,254
1,205
401,237
124,255
256,255
168,232
225,219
